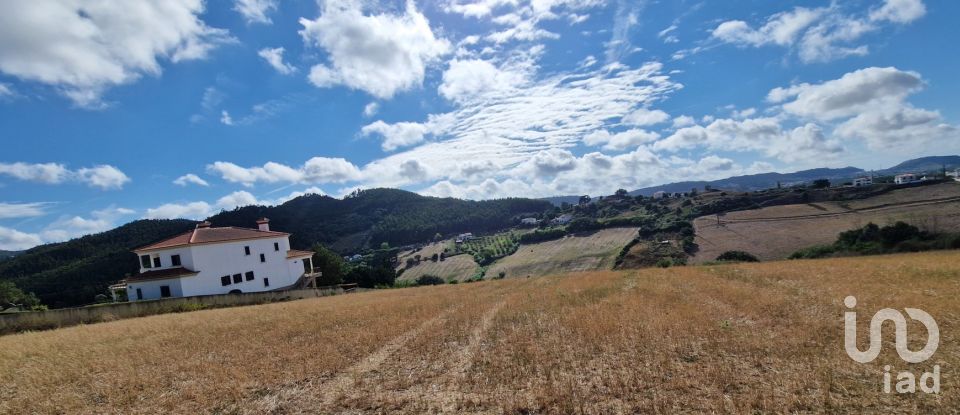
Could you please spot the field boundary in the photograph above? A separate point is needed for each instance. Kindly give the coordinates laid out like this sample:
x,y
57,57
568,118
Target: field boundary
x,y
65,317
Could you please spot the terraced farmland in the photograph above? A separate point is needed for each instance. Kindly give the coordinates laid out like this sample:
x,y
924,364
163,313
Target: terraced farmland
x,y
593,251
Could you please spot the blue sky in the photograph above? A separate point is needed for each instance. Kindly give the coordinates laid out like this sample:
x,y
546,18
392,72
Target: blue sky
x,y
125,110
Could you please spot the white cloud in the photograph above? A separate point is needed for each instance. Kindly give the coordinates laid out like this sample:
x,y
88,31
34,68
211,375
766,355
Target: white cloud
x,y
255,11
69,227
780,29
401,134
22,210
667,34
192,210
899,11
854,93
381,54
683,121
225,118
14,240
5,91
620,141
821,34
316,170
474,78
274,56
190,178
84,47
48,173
371,109
105,177
644,116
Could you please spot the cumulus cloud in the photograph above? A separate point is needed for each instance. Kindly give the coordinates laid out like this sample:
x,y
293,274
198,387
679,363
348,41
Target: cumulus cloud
x,y
380,54
105,177
371,109
316,170
401,134
190,178
853,93
621,140
820,34
84,47
274,57
644,116
472,78
255,11
14,240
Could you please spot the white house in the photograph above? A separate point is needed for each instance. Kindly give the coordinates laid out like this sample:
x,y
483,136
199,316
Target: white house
x,y
659,195
529,221
905,178
224,260
863,181
563,219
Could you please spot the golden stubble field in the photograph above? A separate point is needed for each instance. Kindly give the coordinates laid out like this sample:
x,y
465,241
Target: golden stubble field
x,y
776,232
749,338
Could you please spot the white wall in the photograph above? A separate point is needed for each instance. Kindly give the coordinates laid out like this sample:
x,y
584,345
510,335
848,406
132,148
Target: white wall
x,y
151,289
213,261
186,259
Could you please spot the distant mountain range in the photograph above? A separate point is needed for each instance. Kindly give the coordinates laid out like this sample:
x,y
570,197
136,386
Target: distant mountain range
x,y
768,180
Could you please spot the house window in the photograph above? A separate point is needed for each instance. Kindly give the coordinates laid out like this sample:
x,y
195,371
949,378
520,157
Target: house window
x,y
276,246
237,278
225,280
139,294
156,262
175,260
263,258
246,250
249,275
164,291
266,282
145,261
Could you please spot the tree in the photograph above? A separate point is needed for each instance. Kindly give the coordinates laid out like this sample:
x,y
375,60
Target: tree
x,y
582,225
737,256
428,279
621,193
330,264
437,236
11,295
583,200
384,245
820,184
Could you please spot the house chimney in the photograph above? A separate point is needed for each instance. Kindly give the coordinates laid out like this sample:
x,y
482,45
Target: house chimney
x,y
263,224
203,224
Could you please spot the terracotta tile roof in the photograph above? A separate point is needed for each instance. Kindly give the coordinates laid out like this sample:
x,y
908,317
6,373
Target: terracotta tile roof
x,y
295,253
162,274
212,235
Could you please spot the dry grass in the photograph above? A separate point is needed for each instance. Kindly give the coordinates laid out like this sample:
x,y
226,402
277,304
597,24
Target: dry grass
x,y
457,267
776,232
594,251
746,338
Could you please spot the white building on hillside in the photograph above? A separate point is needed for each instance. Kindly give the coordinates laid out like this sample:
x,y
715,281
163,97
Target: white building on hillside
x,y
209,260
905,178
863,181
659,195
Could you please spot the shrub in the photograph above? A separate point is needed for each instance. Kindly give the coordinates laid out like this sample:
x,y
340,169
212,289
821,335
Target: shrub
x,y
428,279
737,256
664,263
816,251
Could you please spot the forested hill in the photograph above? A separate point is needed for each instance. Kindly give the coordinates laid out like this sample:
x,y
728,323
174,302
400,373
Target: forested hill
x,y
74,272
370,217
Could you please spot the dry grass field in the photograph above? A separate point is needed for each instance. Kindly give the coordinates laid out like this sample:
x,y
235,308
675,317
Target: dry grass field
x,y
776,232
594,251
457,267
742,338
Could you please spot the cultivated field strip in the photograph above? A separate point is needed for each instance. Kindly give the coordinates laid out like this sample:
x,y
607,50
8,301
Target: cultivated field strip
x,y
746,338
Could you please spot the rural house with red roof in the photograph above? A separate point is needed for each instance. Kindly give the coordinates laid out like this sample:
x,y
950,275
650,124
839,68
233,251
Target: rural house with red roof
x,y
209,260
